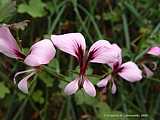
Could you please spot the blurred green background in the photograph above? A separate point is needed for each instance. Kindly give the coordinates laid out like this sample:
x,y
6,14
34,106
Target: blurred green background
x,y
132,24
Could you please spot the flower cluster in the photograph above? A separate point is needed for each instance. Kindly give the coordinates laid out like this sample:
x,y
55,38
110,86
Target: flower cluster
x,y
101,51
40,53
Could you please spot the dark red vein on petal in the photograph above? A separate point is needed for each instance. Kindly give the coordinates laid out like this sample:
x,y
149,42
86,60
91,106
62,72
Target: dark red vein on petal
x,y
19,54
92,54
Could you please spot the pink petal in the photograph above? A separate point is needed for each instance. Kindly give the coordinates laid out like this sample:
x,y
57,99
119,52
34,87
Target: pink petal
x,y
22,72
41,52
104,52
89,88
71,43
99,51
154,51
147,71
114,88
104,81
23,85
115,56
130,72
8,45
72,87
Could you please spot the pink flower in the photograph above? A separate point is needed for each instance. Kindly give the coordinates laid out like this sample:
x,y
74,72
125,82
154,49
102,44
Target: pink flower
x,y
154,51
128,71
74,44
40,53
148,73
8,45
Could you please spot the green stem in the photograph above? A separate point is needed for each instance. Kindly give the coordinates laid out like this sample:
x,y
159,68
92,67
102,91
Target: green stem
x,y
55,74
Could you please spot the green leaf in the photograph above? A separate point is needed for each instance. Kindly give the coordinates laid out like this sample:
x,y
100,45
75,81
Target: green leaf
x,y
62,83
54,64
7,10
21,96
37,96
47,79
94,79
3,90
50,7
35,8
82,98
113,16
104,112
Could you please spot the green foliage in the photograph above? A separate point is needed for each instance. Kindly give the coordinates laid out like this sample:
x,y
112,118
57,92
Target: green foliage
x,y
48,80
105,112
54,64
3,90
37,96
35,8
82,98
7,10
50,6
113,16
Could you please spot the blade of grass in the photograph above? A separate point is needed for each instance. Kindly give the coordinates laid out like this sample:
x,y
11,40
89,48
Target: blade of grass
x,y
63,111
57,19
80,20
126,32
134,11
141,54
100,36
20,109
156,29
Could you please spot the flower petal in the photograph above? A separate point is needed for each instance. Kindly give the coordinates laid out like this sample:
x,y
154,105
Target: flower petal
x,y
8,45
147,71
130,72
41,52
72,87
89,88
104,52
104,81
154,51
115,56
23,84
22,72
114,88
99,51
71,43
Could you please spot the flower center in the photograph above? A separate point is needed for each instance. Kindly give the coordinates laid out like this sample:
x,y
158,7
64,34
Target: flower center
x,y
19,54
117,68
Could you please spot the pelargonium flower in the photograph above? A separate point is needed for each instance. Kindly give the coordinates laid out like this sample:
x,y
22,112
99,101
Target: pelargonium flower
x,y
8,45
128,71
40,53
148,73
74,44
154,51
